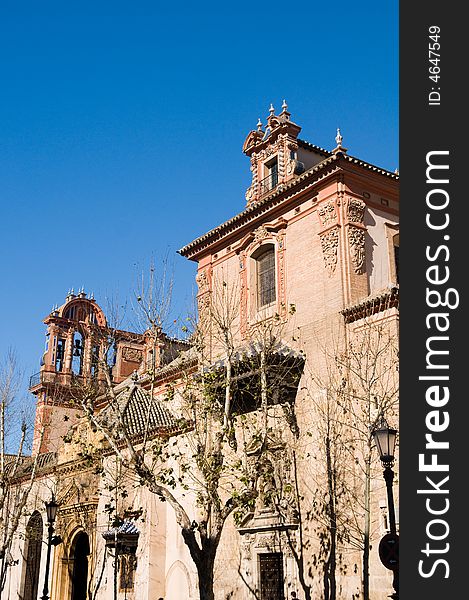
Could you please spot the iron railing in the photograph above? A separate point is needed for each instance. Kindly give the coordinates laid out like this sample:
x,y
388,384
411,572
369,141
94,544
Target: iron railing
x,y
268,183
35,380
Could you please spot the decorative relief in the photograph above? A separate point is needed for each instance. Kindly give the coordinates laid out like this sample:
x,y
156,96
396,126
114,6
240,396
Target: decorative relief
x,y
260,234
356,238
204,303
355,210
202,281
268,541
329,245
244,295
327,214
281,273
246,547
132,354
281,163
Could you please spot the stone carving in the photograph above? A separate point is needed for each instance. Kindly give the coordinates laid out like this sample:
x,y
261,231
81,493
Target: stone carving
x,y
132,354
356,238
202,281
246,547
243,295
260,234
327,214
281,273
267,541
329,245
267,486
338,138
355,210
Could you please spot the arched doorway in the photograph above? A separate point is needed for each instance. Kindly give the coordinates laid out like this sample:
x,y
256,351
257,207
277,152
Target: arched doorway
x,y
79,571
32,557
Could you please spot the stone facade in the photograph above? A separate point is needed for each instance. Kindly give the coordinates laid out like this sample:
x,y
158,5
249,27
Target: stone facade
x,y
319,232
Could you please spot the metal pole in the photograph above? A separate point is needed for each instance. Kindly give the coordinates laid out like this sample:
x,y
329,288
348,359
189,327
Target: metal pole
x,y
45,591
389,477
115,564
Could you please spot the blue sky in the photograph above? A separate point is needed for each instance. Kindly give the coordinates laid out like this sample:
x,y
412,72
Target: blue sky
x,y
123,123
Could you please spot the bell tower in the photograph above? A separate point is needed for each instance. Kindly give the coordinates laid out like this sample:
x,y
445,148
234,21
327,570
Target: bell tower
x,y
79,347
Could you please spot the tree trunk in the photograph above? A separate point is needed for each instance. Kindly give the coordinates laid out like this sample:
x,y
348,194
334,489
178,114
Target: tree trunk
x,y
330,567
366,532
205,576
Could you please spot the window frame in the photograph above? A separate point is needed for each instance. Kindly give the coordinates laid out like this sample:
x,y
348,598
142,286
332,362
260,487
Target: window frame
x,y
263,252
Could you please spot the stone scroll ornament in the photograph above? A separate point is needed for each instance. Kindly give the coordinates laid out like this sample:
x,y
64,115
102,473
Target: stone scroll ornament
x,y
327,214
260,234
329,245
355,210
356,238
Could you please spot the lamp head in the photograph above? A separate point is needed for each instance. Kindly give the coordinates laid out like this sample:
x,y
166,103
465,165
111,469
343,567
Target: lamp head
x,y
51,509
385,440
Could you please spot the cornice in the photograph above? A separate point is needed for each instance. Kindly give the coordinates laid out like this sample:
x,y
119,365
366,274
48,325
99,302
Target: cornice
x,y
330,165
370,306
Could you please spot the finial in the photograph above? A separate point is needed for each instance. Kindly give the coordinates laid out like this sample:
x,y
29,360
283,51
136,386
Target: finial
x,y
259,125
338,138
92,296
339,149
271,109
396,171
284,105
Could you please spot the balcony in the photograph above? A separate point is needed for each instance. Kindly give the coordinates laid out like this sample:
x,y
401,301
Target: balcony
x,y
268,183
34,380
50,378
53,378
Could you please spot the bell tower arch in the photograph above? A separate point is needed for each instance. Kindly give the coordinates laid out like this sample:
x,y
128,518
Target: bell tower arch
x,y
79,347
75,350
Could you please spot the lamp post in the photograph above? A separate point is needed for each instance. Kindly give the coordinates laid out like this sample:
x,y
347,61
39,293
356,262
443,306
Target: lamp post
x,y
385,440
51,510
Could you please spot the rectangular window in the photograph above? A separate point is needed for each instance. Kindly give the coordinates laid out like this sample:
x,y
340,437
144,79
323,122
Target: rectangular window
x,y
271,576
396,262
266,278
128,566
273,174
270,180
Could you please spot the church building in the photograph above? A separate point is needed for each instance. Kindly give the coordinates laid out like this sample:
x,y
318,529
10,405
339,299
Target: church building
x,y
298,307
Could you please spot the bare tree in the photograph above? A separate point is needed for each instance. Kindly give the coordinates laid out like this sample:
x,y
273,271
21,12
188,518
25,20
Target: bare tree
x,y
222,395
17,471
358,386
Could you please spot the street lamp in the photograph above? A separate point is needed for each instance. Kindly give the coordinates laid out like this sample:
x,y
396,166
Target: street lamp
x,y
51,510
385,440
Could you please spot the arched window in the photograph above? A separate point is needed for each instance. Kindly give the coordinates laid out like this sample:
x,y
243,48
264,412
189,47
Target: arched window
x,y
32,557
265,275
77,355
